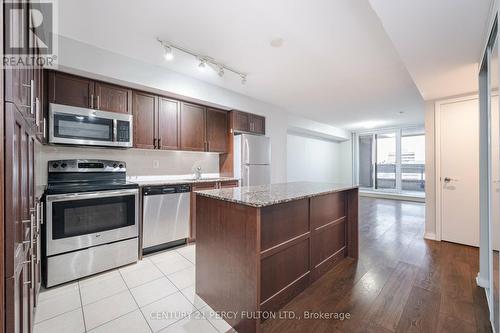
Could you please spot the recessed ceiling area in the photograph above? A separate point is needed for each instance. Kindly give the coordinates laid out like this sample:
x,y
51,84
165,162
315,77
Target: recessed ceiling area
x,y
331,61
440,42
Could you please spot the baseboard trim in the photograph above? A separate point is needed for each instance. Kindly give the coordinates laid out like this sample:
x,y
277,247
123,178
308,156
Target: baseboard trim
x,y
393,196
430,236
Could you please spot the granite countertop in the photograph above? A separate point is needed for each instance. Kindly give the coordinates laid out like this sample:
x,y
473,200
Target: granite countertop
x,y
267,195
150,182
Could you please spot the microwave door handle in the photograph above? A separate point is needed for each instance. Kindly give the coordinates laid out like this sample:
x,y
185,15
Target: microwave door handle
x,y
115,130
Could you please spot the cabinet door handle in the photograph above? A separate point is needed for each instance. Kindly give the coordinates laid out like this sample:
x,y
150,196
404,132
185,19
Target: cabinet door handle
x,y
159,143
154,143
37,112
98,103
91,101
31,87
208,145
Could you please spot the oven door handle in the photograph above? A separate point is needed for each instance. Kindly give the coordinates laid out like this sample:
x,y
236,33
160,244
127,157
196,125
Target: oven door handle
x,y
88,195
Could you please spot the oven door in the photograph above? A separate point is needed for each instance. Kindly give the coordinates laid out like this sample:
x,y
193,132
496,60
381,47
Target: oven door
x,y
80,126
81,220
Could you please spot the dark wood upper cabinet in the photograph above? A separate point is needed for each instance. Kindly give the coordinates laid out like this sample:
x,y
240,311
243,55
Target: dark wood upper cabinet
x,y
168,124
109,97
257,124
241,122
217,128
248,123
71,90
144,108
192,127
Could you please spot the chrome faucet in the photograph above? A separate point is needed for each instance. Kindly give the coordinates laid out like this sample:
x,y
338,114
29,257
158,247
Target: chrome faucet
x,y
197,173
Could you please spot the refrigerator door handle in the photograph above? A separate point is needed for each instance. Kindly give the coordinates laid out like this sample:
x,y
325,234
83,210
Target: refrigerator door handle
x,y
246,175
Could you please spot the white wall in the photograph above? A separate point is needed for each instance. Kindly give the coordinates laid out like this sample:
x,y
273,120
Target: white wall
x,y
317,159
139,161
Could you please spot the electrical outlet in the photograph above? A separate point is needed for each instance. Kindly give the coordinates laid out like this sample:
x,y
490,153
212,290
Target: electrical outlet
x,y
156,164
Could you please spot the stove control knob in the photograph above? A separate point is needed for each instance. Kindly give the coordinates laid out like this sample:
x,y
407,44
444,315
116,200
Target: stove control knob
x,y
115,165
64,165
121,166
55,165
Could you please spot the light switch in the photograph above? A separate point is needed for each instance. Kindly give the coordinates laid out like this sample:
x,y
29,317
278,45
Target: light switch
x,y
156,164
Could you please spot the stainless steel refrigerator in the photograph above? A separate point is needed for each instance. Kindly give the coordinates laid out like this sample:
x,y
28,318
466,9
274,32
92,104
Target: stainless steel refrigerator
x,y
252,159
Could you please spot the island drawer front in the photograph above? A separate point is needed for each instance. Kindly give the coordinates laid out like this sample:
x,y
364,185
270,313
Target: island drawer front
x,y
283,272
328,241
283,222
327,209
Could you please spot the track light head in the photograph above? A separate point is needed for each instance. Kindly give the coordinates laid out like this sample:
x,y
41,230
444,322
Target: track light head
x,y
169,55
221,71
202,64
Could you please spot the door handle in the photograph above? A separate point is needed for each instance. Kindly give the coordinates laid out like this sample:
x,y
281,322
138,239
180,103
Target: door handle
x,y
448,180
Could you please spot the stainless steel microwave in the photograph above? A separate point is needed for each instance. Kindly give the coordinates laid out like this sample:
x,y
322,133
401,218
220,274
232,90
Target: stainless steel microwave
x,y
81,126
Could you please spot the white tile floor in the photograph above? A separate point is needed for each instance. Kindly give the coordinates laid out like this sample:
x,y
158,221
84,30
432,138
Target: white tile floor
x,y
154,295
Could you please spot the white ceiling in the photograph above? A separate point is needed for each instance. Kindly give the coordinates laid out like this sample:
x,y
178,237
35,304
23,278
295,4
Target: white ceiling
x,y
337,65
440,41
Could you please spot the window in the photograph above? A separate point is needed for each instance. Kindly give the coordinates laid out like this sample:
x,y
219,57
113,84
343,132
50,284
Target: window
x,y
386,161
412,161
392,160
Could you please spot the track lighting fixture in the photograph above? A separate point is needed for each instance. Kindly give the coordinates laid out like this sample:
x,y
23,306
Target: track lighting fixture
x,y
169,55
203,60
202,64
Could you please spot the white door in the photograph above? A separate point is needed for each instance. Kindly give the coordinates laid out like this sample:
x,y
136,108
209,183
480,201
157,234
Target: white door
x,y
459,171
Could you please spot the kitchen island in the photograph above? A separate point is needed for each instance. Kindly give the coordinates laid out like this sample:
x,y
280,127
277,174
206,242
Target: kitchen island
x,y
258,247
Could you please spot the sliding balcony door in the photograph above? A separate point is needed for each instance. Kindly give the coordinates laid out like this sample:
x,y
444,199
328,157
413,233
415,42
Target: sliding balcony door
x,y
386,171
392,161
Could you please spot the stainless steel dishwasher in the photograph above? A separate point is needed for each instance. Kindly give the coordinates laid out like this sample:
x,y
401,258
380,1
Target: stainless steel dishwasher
x,y
165,216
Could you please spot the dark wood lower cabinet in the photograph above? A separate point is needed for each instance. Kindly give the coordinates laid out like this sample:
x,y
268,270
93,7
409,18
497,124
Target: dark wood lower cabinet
x,y
251,259
19,221
203,187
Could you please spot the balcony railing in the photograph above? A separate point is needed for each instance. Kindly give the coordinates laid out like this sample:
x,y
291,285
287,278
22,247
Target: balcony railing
x,y
412,177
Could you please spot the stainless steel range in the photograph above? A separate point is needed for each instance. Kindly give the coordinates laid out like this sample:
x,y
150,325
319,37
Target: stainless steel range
x,y
92,219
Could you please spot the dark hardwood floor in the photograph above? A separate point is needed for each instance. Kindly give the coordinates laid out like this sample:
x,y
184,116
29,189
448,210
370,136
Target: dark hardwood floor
x,y
401,282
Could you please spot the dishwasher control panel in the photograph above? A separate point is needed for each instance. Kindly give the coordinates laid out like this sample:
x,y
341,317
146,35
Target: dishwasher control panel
x,y
166,189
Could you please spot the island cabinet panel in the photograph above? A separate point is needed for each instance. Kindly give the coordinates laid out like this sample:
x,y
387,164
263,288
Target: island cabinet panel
x,y
282,223
284,275
328,232
257,257
228,280
328,247
327,209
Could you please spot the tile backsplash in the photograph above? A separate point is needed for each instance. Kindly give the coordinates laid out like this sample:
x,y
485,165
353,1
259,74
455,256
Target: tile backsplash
x,y
140,162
